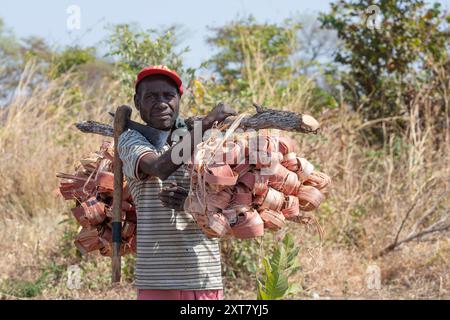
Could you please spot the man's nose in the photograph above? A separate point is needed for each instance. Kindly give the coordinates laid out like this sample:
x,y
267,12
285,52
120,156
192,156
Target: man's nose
x,y
162,105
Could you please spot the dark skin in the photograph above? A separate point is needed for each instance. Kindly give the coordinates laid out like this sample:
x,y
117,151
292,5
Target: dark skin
x,y
158,102
173,197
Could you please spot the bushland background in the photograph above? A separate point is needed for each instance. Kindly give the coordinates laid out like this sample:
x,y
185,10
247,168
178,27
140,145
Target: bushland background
x,y
380,94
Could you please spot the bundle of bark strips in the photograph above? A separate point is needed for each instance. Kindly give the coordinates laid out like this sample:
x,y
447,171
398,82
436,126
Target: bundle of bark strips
x,y
244,184
91,186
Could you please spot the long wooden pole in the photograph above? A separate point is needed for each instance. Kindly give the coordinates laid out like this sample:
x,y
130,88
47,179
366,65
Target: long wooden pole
x,y
121,119
264,118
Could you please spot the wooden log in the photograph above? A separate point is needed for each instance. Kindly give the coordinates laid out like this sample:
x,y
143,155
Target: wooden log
x,y
264,118
95,127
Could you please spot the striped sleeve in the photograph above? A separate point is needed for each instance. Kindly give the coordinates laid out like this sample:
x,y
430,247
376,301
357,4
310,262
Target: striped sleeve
x,y
132,147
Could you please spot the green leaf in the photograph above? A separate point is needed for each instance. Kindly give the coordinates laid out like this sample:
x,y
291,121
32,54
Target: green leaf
x,y
294,288
282,264
261,292
278,287
294,270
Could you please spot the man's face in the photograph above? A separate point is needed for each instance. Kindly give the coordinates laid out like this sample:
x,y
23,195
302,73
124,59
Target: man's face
x,y
158,102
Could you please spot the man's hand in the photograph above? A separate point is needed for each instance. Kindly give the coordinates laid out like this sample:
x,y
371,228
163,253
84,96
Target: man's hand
x,y
173,197
163,166
220,113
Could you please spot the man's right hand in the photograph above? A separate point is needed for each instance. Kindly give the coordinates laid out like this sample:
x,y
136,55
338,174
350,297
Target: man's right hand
x,y
220,113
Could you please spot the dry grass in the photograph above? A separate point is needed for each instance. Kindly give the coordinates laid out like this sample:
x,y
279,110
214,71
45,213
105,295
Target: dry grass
x,y
373,191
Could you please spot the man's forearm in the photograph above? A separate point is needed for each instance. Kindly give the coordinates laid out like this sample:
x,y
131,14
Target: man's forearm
x,y
162,166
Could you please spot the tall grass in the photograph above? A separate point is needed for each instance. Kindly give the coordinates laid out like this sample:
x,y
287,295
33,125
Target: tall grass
x,y
374,189
394,195
37,140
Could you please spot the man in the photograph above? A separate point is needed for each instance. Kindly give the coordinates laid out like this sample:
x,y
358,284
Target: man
x,y
175,260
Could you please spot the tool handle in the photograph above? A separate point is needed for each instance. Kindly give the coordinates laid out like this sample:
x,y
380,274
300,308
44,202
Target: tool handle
x,y
121,118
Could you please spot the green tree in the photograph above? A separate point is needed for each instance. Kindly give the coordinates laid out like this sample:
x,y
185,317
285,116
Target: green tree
x,y
264,63
250,54
14,54
380,63
135,49
48,63
69,58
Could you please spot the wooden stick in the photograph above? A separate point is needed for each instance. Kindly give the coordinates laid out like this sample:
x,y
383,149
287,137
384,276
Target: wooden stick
x,y
121,118
95,127
272,119
435,227
263,119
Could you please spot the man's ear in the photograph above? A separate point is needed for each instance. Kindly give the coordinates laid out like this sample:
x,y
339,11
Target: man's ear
x,y
137,103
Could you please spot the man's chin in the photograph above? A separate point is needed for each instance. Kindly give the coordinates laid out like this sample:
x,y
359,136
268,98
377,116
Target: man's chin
x,y
162,123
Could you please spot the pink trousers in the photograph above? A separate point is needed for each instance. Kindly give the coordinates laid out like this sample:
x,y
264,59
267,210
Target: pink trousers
x,y
180,294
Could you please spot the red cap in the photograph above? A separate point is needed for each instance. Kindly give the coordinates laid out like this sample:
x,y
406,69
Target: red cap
x,y
161,69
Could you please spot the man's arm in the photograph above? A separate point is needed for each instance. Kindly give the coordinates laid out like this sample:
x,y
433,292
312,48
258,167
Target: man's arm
x,y
162,166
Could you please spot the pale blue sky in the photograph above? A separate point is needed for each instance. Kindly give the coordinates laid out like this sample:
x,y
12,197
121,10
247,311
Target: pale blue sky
x,y
47,18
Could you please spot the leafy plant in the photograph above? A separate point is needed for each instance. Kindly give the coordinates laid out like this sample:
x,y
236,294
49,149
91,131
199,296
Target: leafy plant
x,y
69,58
252,56
240,257
21,288
412,42
136,49
274,283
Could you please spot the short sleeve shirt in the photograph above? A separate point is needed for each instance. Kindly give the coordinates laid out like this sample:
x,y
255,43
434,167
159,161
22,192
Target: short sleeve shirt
x,y
172,251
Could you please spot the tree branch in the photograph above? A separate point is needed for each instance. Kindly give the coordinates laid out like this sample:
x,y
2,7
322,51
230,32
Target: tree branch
x,y
263,119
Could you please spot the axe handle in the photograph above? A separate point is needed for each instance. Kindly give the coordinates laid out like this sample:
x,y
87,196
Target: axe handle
x,y
121,118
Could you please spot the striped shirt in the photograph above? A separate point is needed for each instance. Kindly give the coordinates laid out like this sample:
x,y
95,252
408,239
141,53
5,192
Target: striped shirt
x,y
172,252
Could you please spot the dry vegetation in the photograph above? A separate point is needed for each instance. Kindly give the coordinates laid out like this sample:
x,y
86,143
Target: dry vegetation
x,y
402,185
